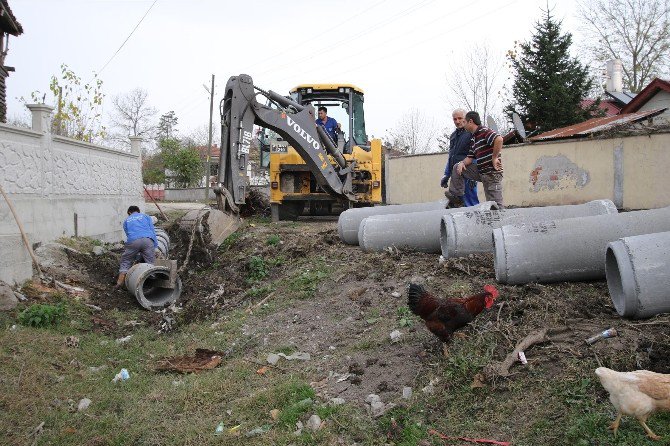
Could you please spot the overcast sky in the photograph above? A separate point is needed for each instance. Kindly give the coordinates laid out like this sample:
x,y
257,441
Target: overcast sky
x,y
397,51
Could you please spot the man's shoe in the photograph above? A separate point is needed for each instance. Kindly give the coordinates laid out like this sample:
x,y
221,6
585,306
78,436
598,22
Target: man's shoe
x,y
454,201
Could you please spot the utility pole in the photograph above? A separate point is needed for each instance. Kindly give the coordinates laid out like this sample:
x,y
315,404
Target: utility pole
x,y
209,145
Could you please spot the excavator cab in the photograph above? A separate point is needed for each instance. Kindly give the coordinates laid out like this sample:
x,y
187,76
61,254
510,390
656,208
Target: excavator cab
x,y
294,190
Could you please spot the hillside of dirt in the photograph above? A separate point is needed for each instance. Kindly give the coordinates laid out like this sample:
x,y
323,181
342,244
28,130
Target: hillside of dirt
x,y
293,287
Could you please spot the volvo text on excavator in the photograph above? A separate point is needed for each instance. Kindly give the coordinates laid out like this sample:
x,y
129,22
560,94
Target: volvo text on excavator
x,y
320,171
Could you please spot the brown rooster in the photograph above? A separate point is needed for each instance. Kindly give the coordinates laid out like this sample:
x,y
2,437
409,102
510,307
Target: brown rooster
x,y
444,316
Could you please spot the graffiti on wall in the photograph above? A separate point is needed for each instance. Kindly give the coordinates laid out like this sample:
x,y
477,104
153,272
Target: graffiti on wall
x,y
557,172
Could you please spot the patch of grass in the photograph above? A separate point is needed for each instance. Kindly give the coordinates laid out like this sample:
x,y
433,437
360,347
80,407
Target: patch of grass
x,y
257,269
277,261
307,281
273,240
230,241
42,315
403,426
405,317
368,344
299,398
82,244
260,291
260,220
286,349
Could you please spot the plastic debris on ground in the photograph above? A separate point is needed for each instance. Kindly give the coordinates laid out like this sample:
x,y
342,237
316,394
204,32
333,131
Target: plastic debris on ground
x,y
123,375
609,333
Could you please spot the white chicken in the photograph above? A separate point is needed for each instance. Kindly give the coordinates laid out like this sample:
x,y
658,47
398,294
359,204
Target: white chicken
x,y
637,394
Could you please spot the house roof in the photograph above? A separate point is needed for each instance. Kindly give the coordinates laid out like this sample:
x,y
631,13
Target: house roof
x,y
8,22
596,125
609,106
646,94
215,153
623,97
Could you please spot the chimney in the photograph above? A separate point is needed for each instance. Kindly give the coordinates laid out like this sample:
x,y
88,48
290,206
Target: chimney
x,y
614,76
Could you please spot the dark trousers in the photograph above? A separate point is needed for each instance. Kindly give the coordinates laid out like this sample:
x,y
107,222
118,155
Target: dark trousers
x,y
491,181
143,246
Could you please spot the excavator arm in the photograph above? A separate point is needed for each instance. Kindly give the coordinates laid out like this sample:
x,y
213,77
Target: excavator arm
x,y
294,122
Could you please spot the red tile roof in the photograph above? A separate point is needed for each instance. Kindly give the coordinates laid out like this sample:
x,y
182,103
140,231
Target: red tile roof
x,y
595,125
607,105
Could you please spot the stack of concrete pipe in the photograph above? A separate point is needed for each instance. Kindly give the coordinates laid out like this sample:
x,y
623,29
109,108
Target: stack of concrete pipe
x,y
148,283
572,249
416,231
163,240
470,231
350,220
638,274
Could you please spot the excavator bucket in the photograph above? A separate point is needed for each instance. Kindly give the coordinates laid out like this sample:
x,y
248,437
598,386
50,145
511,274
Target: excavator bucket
x,y
213,225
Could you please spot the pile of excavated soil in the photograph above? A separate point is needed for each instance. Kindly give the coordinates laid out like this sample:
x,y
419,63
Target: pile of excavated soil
x,y
357,299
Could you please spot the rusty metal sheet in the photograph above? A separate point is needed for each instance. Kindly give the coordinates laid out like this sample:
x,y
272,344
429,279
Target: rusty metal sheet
x,y
596,125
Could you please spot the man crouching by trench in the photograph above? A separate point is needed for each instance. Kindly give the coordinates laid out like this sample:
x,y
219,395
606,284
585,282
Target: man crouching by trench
x,y
141,238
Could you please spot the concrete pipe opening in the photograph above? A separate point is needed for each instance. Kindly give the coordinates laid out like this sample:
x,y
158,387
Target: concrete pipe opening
x,y
619,273
638,274
149,284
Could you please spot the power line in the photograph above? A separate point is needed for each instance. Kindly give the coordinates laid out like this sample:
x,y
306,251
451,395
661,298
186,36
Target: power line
x,y
414,45
368,30
333,28
386,42
127,38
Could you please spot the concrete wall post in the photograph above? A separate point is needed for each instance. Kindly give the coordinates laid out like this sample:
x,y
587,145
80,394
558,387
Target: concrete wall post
x,y
136,145
41,114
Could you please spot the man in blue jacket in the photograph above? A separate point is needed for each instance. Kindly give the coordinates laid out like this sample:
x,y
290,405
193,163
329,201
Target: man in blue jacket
x,y
141,238
459,145
330,125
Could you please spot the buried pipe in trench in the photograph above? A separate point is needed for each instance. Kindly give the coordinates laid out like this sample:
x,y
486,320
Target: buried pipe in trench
x,y
148,283
638,274
163,240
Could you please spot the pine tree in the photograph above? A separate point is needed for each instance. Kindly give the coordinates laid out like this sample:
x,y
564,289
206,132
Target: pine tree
x,y
549,84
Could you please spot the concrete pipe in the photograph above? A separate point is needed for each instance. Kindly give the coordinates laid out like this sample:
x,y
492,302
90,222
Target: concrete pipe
x,y
416,231
163,240
148,284
471,232
350,220
638,274
572,249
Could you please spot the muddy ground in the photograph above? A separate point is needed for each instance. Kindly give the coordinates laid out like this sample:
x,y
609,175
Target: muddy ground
x,y
340,304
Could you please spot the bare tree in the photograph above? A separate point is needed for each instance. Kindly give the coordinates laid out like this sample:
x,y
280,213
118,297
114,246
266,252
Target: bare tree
x,y
414,133
635,31
474,81
132,116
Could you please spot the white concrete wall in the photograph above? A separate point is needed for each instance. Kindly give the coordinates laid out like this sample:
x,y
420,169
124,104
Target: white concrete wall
x,y
49,179
197,194
631,171
191,195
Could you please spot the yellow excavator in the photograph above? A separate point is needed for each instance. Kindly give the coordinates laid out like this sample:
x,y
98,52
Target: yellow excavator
x,y
309,172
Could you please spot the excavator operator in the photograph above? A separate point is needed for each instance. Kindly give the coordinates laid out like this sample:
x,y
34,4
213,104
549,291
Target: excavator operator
x,y
330,125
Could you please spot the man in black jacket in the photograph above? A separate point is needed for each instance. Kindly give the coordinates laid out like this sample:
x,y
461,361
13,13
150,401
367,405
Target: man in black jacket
x,y
459,145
